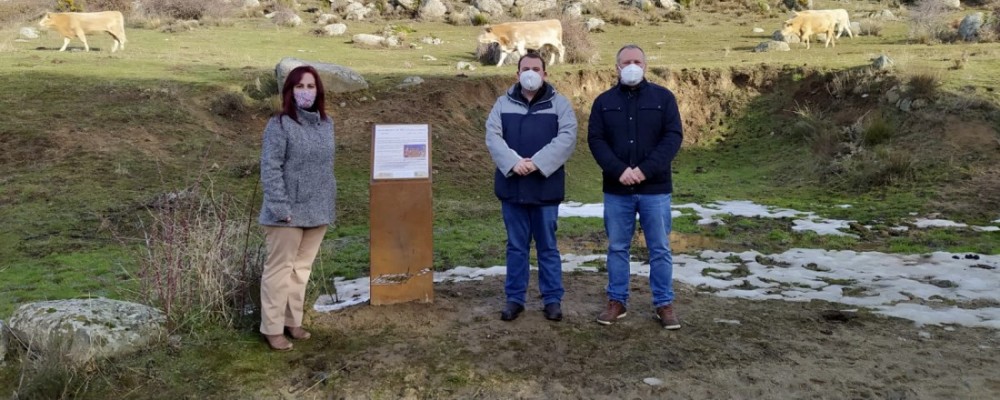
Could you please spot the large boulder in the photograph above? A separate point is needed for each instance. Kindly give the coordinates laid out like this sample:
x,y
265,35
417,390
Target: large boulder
x,y
367,39
968,30
491,7
336,78
595,25
531,8
285,18
356,11
408,5
789,38
432,10
88,329
882,62
772,45
334,29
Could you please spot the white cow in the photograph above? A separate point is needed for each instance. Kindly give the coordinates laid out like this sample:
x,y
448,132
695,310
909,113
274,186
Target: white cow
x,y
807,25
521,36
840,14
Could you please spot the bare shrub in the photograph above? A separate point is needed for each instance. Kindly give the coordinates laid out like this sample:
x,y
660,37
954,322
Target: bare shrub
x,y
125,6
187,9
14,12
867,170
201,260
878,131
870,27
51,374
928,21
579,46
924,85
231,105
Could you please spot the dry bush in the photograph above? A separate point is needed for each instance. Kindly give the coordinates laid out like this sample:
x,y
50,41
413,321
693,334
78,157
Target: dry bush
x,y
201,259
924,85
51,374
125,6
15,12
870,27
928,22
879,130
186,9
579,46
866,170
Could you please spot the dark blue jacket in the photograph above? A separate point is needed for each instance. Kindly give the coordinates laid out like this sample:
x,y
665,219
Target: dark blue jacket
x,y
543,130
635,127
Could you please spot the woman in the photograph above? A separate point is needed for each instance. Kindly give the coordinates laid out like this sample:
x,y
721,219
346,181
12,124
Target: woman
x,y
296,171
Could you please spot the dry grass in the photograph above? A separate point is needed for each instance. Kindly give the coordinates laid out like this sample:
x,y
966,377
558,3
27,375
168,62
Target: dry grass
x,y
928,22
202,259
924,84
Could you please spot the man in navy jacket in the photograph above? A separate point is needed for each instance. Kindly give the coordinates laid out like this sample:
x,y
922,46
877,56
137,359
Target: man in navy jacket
x,y
531,133
634,134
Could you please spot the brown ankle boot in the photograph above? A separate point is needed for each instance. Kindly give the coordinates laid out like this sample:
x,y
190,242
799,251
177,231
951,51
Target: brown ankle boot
x,y
298,333
278,342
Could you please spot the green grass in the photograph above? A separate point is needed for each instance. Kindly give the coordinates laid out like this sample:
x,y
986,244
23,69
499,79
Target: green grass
x,y
90,139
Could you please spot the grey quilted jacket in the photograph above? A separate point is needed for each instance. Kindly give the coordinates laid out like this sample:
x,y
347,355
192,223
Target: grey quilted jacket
x,y
296,171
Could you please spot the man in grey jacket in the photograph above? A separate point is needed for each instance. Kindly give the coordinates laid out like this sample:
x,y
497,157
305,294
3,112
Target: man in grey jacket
x,y
531,133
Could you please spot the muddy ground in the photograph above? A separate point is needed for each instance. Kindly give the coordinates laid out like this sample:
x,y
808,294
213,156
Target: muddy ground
x,y
458,348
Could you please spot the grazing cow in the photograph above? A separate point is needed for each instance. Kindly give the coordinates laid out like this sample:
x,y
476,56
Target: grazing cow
x,y
72,24
843,19
806,25
521,36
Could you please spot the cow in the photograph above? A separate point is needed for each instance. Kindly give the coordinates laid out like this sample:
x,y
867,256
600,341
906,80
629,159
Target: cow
x,y
806,25
72,24
521,36
843,19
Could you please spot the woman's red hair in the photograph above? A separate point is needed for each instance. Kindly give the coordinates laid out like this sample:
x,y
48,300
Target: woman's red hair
x,y
288,105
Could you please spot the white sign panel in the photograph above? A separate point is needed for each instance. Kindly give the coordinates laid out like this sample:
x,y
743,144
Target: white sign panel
x,y
401,152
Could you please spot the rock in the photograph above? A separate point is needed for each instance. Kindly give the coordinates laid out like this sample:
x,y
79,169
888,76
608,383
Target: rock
x,y
916,105
356,11
428,57
595,25
642,4
968,30
669,5
408,5
334,29
411,81
325,19
952,4
924,335
491,7
856,28
535,7
777,36
367,39
758,30
251,3
772,45
905,104
431,40
285,18
462,65
88,329
28,33
336,78
392,41
653,381
882,62
573,10
884,15
432,10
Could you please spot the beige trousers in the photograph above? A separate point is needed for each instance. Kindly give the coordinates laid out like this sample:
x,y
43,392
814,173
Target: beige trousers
x,y
290,255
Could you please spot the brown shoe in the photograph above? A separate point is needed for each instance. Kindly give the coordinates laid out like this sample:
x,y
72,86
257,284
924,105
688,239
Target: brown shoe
x,y
668,320
298,333
278,342
614,312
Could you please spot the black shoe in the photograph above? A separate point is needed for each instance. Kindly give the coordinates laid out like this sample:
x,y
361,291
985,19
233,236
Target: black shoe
x,y
553,312
511,311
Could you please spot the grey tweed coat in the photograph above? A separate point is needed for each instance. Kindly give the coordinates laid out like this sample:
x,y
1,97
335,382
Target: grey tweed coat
x,y
296,171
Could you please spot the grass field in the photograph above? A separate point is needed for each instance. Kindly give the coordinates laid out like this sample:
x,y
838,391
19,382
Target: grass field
x,y
91,139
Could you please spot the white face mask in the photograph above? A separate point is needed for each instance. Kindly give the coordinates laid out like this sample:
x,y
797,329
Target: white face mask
x,y
530,80
631,75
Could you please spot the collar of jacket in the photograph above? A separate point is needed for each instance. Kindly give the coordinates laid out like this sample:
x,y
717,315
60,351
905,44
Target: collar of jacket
x,y
633,89
304,115
545,93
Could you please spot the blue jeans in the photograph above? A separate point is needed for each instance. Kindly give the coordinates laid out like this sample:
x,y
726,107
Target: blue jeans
x,y
619,222
523,223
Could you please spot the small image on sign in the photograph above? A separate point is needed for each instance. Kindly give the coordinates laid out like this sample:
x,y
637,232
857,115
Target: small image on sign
x,y
414,150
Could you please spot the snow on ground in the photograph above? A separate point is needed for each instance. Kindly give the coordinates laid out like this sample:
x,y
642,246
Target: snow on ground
x,y
936,289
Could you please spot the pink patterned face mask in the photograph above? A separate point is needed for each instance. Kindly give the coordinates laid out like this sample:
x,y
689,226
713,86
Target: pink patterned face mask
x,y
304,98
